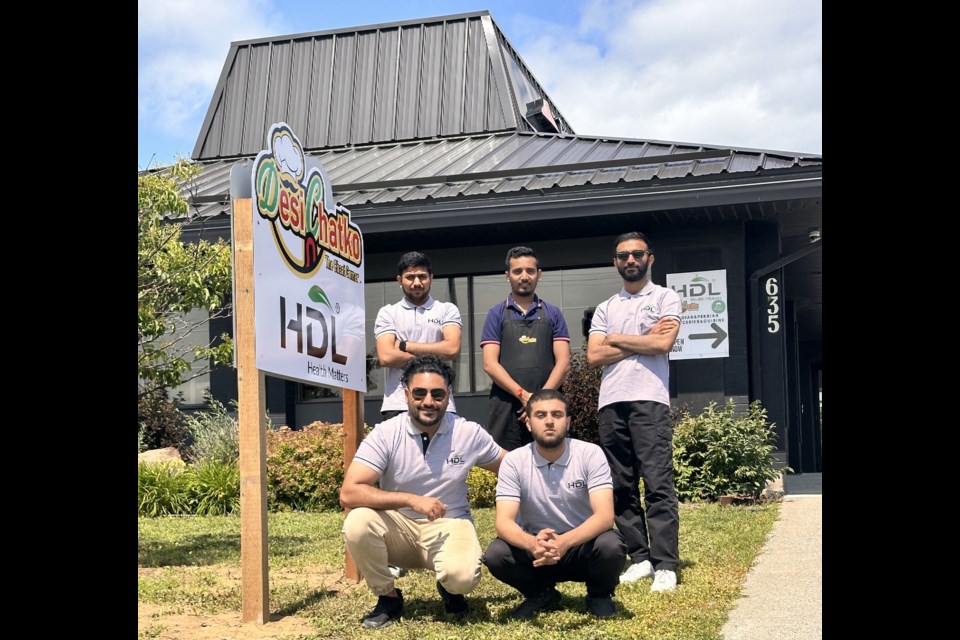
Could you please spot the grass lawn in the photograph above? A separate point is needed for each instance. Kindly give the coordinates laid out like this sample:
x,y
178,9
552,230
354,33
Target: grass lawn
x,y
192,566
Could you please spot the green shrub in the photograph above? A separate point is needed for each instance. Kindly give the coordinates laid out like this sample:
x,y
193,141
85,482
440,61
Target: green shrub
x,y
718,453
305,467
581,389
161,489
481,488
215,434
213,487
160,421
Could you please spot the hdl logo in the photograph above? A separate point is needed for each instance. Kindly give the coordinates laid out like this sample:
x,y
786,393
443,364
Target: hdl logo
x,y
456,458
577,484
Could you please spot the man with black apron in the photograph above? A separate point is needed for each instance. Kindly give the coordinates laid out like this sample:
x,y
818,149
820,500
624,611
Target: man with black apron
x,y
526,347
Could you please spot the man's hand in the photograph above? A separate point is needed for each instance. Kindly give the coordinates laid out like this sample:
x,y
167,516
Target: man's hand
x,y
430,507
546,551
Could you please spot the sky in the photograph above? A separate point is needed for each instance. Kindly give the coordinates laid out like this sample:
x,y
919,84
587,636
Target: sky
x,y
740,73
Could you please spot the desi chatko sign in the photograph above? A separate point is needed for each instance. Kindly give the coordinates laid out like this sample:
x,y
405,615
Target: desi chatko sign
x,y
308,271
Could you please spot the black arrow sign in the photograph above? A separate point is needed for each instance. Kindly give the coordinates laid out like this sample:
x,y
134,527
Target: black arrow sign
x,y
717,337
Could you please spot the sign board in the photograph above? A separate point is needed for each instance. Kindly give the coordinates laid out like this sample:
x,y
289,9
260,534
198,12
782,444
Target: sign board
x,y
308,271
703,321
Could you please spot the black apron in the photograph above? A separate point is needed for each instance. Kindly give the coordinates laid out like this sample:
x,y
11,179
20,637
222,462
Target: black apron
x,y
526,352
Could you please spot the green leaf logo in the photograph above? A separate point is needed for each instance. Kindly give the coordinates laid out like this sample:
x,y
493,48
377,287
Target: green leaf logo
x,y
317,295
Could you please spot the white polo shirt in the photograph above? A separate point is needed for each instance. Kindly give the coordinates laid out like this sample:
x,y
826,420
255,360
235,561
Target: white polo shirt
x,y
639,377
394,449
413,324
553,494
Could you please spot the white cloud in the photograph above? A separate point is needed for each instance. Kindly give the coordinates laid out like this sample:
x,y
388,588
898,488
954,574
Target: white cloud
x,y
181,48
742,73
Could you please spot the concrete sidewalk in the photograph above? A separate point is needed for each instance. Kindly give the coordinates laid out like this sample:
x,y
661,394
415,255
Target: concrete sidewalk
x,y
783,593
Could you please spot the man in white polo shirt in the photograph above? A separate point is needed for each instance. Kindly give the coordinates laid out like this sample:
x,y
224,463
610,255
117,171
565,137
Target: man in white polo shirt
x,y
418,324
631,335
419,517
555,516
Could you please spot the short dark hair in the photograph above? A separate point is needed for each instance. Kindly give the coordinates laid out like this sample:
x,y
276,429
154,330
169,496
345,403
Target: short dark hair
x,y
633,235
414,259
520,252
427,363
546,394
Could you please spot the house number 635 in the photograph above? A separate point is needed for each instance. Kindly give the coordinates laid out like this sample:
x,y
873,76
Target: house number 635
x,y
773,305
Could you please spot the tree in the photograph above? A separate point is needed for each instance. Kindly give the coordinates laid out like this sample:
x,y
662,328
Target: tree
x,y
173,279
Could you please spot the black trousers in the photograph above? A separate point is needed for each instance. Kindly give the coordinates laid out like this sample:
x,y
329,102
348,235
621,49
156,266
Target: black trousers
x,y
597,563
637,438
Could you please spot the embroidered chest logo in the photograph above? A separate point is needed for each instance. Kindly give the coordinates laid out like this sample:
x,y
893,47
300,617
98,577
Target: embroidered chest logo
x,y
647,308
456,458
433,320
527,340
576,484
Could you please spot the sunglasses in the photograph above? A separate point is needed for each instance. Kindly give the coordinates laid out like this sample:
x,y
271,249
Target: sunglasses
x,y
419,393
637,255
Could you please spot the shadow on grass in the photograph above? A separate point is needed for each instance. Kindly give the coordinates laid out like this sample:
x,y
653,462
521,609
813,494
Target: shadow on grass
x,y
199,550
303,603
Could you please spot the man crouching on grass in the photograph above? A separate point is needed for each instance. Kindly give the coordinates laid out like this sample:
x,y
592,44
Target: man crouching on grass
x,y
555,516
419,517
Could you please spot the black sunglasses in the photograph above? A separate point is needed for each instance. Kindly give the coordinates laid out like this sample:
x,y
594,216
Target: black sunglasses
x,y
419,393
637,255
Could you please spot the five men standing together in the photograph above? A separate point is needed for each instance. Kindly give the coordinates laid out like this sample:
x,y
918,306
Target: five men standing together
x,y
557,498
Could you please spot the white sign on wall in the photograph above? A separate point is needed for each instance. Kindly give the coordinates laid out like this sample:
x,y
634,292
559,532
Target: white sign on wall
x,y
703,321
308,271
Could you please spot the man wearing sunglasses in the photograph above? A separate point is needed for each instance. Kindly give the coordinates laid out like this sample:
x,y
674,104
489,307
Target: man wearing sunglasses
x,y
416,325
406,489
631,336
526,347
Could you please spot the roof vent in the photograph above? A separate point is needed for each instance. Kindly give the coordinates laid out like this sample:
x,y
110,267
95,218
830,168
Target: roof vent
x,y
541,117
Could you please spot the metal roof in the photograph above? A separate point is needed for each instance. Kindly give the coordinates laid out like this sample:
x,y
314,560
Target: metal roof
x,y
503,163
409,80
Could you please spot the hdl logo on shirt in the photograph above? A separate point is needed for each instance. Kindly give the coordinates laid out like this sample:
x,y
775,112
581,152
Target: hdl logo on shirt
x,y
577,484
456,458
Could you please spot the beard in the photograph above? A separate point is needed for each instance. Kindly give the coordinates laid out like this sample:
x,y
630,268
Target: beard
x,y
418,418
635,275
550,442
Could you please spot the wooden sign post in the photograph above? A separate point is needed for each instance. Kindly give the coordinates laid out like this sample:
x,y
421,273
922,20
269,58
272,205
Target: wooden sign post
x,y
252,416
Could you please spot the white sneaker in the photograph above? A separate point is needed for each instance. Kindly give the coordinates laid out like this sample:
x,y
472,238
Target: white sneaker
x,y
637,571
665,580
396,572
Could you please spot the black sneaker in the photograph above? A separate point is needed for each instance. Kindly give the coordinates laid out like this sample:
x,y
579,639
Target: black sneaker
x,y
453,603
387,610
602,607
543,601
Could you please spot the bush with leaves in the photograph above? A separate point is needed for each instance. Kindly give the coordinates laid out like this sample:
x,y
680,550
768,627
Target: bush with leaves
x,y
162,489
160,422
213,487
305,467
215,434
719,453
581,388
481,488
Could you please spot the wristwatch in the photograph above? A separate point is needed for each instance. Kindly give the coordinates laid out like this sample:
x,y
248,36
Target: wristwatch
x,y
403,345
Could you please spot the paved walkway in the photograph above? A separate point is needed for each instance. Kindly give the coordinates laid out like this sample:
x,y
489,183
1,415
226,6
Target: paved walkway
x,y
783,593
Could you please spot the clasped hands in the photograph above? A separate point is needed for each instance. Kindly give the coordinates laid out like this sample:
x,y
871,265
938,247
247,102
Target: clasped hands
x,y
549,548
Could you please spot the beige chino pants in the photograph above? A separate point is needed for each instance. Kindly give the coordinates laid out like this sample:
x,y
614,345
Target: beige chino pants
x,y
447,546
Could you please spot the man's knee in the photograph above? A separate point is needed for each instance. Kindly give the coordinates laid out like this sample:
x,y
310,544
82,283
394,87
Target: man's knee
x,y
610,545
359,524
497,556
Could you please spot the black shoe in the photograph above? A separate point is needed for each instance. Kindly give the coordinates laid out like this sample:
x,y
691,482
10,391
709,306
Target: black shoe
x,y
602,607
543,601
387,610
453,603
